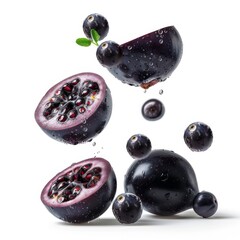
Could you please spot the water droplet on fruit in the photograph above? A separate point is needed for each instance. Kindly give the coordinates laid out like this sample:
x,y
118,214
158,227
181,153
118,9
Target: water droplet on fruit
x,y
151,64
164,176
129,47
190,191
85,129
161,41
160,91
94,144
160,59
167,195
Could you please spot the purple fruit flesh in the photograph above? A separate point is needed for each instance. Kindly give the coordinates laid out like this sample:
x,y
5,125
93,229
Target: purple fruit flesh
x,y
81,192
148,59
76,109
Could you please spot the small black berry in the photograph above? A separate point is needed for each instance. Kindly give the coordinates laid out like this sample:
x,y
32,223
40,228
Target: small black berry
x,y
198,136
127,208
108,53
205,204
97,22
153,109
139,146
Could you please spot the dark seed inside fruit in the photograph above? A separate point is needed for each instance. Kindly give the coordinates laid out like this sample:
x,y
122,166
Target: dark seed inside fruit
x,y
75,81
62,118
72,114
71,99
67,88
85,92
67,187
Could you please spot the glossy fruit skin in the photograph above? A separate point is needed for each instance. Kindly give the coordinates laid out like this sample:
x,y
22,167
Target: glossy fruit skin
x,y
164,181
205,204
89,207
109,53
94,122
97,22
138,146
153,109
149,59
127,208
198,136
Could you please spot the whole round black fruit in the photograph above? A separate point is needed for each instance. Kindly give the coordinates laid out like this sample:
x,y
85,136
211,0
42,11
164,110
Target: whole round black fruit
x,y
148,59
198,136
153,110
205,204
76,109
97,22
81,192
127,208
108,53
164,181
139,146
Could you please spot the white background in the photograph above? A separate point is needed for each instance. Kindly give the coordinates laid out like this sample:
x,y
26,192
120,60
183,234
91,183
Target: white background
x,y
37,49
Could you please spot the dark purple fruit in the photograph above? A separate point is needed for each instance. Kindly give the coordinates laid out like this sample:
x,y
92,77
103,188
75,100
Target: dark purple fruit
x,y
139,146
127,208
148,59
153,110
109,53
81,192
205,204
76,109
97,22
164,181
198,136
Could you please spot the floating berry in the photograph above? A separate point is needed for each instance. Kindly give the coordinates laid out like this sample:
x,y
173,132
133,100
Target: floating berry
x,y
198,136
139,146
205,204
127,208
153,110
97,22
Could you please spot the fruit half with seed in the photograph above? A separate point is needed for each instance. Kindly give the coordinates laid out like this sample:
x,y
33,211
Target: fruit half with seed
x,y
81,192
76,109
145,60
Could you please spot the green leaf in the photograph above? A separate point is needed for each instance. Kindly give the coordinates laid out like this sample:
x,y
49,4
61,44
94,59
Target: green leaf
x,y
83,42
95,36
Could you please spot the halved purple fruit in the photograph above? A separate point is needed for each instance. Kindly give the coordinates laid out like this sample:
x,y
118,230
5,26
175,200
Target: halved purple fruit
x,y
76,109
81,192
146,60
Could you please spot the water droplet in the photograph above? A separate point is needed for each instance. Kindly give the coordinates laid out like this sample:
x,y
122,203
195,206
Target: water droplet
x,y
85,129
143,174
94,144
165,30
164,176
190,191
167,195
160,59
129,47
160,31
160,91
161,41
151,64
